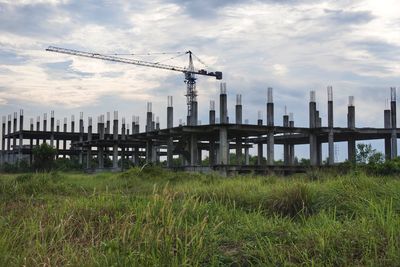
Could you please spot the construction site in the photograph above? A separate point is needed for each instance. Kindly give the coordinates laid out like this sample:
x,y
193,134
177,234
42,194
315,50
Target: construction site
x,y
183,146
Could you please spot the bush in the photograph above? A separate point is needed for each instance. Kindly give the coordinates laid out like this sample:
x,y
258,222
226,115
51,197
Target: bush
x,y
44,157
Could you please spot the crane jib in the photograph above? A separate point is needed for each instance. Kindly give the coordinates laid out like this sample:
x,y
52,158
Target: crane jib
x,y
217,74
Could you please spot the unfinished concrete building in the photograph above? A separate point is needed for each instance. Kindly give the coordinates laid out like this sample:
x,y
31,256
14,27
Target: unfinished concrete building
x,y
183,146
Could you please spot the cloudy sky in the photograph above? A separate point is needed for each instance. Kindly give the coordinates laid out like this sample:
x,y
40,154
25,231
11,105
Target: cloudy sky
x,y
293,46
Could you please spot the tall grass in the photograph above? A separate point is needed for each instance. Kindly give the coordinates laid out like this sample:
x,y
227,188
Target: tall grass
x,y
153,217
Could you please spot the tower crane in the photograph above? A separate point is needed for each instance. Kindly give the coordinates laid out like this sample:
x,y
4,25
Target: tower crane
x,y
190,74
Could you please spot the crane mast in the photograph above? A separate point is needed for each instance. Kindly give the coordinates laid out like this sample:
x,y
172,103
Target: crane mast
x,y
190,74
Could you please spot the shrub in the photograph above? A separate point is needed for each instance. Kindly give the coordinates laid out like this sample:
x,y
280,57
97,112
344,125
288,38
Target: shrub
x,y
44,157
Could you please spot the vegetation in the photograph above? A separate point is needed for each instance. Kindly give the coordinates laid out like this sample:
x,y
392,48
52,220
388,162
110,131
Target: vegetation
x,y
43,157
153,217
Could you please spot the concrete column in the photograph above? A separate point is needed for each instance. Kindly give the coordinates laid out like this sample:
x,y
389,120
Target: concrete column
x,y
149,118
260,151
387,125
149,127
286,150
123,138
246,149
81,130
15,129
270,122
393,118
223,108
153,122
312,123
149,151
52,128
3,140
331,147
72,123
351,124
31,128
137,130
58,138
89,148
100,129
115,138
157,123
223,146
291,146
193,150
211,151
238,111
108,124
44,125
21,139
170,124
194,118
212,112
9,158
37,129
65,141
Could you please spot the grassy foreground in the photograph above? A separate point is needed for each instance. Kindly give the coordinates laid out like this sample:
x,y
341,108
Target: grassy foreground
x,y
160,218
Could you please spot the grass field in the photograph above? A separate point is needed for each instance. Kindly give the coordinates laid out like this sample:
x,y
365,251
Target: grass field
x,y
161,218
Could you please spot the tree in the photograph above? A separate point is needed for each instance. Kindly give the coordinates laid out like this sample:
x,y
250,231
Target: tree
x,y
366,154
44,157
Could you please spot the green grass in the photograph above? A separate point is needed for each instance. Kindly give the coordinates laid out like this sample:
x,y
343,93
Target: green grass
x,y
161,218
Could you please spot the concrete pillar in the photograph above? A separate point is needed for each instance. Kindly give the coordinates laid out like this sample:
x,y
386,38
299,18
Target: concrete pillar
x,y
58,138
223,108
21,139
212,152
115,138
223,146
246,149
157,123
123,138
238,111
331,147
194,118
387,125
351,124
9,158
193,150
100,129
286,151
52,128
31,128
270,122
260,151
15,129
81,129
212,112
44,125
37,129
149,127
89,148
170,124
149,118
65,141
291,146
318,124
393,119
312,124
153,122
72,123
108,125
3,140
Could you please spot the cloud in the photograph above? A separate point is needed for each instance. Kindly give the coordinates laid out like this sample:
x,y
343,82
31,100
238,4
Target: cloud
x,y
293,46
